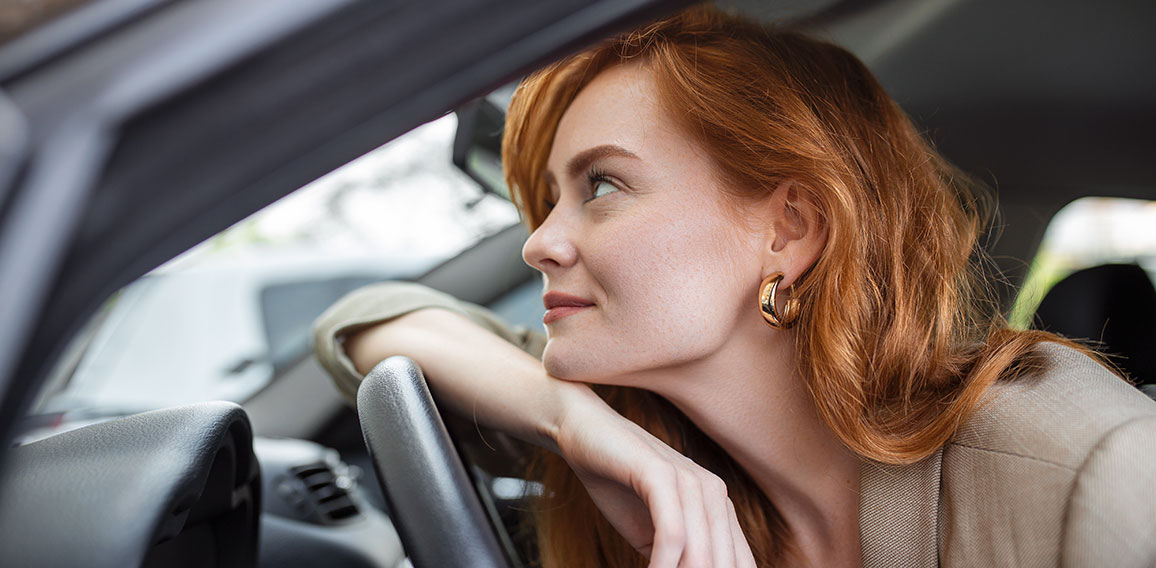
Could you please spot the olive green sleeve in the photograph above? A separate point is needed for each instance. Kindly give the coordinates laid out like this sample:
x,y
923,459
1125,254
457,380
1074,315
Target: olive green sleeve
x,y
379,303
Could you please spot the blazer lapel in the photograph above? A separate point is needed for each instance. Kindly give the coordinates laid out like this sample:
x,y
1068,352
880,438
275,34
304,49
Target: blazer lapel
x,y
899,512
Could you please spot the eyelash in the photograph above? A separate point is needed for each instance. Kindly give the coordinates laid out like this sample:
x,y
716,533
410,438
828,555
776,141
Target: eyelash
x,y
593,177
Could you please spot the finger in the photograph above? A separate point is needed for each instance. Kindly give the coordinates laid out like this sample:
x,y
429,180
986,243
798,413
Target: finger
x,y
660,492
697,551
719,511
744,558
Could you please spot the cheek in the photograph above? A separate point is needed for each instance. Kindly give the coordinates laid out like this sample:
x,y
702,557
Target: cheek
x,y
677,282
673,283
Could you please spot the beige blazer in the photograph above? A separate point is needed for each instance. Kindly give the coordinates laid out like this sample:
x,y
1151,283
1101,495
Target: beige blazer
x,y
1055,469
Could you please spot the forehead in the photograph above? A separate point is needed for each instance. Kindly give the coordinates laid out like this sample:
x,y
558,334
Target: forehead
x,y
620,106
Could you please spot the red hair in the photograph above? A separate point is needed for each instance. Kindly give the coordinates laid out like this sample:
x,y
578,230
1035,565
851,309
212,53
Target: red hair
x,y
898,338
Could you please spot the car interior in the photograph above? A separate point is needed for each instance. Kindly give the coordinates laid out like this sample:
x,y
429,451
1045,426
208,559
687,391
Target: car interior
x,y
132,130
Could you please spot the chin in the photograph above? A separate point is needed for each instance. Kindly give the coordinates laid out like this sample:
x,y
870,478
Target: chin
x,y
558,367
571,367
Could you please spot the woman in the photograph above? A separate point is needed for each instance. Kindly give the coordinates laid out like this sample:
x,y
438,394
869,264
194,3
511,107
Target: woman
x,y
749,248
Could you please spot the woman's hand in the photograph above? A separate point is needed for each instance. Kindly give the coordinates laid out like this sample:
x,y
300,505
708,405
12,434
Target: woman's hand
x,y
666,506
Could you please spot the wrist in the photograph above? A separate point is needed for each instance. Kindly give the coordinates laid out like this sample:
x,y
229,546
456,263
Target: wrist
x,y
571,401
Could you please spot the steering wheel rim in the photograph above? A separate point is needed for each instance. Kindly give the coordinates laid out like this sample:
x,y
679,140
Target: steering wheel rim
x,y
438,516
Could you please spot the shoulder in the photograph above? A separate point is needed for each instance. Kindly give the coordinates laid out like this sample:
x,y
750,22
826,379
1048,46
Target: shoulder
x,y
1051,465
1058,414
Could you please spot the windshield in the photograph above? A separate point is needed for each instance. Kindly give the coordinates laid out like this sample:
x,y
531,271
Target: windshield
x,y
221,321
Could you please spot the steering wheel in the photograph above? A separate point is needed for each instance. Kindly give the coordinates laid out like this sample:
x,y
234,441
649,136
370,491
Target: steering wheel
x,y
438,516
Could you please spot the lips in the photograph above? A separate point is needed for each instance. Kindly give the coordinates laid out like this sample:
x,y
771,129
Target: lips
x,y
559,305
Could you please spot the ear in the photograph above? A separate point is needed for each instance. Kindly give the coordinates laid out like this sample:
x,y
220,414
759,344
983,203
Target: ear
x,y
798,232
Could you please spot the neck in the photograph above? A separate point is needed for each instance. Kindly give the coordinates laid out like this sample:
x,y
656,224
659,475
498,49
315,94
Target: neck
x,y
772,430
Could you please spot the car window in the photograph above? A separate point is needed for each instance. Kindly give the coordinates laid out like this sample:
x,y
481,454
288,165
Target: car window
x,y
1088,232
222,320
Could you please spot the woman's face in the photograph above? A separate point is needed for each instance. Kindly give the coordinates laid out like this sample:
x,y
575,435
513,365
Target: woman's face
x,y
645,266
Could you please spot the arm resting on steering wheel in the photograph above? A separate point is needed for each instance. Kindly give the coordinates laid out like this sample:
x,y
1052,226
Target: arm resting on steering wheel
x,y
457,345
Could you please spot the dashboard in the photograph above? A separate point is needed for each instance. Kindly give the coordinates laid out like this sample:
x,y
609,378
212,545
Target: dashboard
x,y
188,486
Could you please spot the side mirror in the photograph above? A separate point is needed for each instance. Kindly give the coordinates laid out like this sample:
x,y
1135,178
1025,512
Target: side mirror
x,y
478,144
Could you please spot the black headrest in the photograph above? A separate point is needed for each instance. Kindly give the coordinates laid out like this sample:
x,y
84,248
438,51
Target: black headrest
x,y
1114,304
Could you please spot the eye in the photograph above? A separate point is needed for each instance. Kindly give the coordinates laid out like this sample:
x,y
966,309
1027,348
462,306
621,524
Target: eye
x,y
600,184
602,188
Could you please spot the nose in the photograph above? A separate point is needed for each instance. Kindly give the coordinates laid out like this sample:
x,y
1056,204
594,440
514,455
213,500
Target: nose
x,y
551,245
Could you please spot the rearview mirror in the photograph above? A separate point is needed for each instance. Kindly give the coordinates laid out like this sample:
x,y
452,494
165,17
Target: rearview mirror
x,y
478,144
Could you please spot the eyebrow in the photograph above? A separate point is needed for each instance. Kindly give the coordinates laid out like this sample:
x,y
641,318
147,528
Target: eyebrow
x,y
582,160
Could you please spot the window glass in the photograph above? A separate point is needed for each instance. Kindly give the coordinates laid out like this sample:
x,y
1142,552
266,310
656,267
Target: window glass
x,y
1088,232
223,319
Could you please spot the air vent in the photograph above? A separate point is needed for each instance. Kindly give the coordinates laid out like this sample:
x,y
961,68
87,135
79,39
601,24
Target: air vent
x,y
328,491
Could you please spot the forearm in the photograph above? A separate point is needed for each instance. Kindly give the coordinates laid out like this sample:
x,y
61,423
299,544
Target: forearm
x,y
472,371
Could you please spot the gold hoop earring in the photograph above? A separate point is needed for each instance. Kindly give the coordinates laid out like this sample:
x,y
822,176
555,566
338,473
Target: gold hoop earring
x,y
771,315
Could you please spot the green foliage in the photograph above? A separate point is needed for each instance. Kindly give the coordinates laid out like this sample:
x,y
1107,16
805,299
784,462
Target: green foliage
x,y
1049,266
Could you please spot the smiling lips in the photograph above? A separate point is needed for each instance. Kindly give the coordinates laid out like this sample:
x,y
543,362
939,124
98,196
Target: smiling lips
x,y
559,305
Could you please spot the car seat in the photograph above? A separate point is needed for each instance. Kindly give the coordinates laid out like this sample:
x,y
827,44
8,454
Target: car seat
x,y
1114,304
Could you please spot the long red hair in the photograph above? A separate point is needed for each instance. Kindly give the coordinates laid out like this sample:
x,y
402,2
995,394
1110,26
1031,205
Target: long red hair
x,y
898,338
